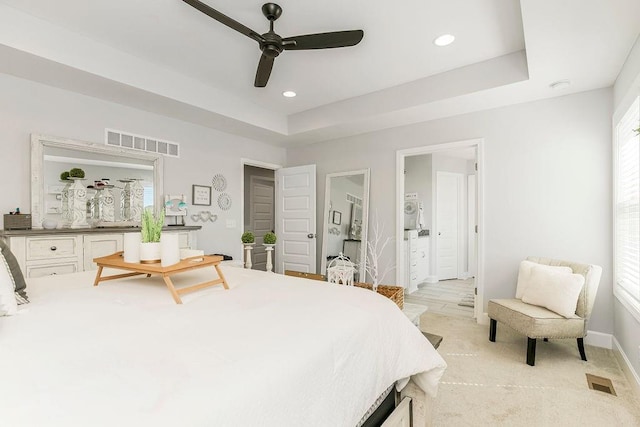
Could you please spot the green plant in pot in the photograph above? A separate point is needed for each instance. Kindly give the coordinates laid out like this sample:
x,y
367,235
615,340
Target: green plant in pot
x,y
64,176
269,238
151,230
248,238
76,173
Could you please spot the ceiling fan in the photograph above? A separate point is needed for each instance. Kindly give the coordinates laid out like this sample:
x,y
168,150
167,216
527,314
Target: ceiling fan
x,y
271,44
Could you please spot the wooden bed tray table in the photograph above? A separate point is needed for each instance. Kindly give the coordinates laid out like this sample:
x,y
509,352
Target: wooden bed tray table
x,y
117,261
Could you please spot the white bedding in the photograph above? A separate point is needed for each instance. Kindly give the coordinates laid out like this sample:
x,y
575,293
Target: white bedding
x,y
271,351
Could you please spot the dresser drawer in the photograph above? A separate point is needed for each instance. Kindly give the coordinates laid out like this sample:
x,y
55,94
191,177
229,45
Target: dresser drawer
x,y
52,247
48,269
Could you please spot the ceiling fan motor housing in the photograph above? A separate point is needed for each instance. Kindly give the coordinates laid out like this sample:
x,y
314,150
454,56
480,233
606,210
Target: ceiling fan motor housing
x,y
272,45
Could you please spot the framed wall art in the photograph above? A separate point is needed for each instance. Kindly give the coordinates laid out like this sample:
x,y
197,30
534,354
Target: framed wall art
x,y
336,218
201,195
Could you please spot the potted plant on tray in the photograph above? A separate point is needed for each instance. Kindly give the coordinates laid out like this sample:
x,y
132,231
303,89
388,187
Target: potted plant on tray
x,y
151,230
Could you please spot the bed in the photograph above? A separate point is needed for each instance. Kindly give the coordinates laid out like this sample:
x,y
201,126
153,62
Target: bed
x,y
272,350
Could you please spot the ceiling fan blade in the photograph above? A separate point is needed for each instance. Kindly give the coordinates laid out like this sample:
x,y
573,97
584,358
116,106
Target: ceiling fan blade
x,y
264,71
224,19
323,40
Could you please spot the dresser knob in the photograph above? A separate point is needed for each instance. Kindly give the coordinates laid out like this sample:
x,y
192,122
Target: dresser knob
x,y
53,248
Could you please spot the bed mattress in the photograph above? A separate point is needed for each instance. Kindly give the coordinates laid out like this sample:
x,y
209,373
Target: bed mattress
x,y
272,350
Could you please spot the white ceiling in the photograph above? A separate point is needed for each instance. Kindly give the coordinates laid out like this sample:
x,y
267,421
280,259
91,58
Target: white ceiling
x,y
165,56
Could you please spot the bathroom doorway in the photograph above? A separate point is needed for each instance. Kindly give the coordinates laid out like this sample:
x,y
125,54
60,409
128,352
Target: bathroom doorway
x,y
438,231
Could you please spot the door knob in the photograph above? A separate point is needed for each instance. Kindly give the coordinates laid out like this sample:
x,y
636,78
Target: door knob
x,y
439,233
311,235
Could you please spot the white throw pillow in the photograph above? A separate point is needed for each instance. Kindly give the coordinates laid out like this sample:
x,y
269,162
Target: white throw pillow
x,y
524,274
556,290
8,303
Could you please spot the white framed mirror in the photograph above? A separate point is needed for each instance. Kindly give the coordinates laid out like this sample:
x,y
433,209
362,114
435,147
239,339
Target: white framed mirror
x,y
51,155
346,217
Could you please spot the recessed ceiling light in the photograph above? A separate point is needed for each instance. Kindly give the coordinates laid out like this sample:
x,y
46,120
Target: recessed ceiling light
x,y
444,40
288,94
560,84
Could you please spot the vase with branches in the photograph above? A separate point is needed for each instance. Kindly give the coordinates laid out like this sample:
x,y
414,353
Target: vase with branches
x,y
376,245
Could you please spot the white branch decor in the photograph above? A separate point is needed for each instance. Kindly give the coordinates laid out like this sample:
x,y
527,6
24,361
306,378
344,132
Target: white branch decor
x,y
375,248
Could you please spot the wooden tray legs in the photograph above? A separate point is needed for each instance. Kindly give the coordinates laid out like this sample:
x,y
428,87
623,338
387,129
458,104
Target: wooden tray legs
x,y
175,293
115,276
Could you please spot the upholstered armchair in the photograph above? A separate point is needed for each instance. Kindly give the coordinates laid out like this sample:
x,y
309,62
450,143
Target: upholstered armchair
x,y
536,321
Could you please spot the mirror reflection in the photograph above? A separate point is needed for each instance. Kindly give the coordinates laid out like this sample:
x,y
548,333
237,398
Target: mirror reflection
x,y
125,180
345,219
102,173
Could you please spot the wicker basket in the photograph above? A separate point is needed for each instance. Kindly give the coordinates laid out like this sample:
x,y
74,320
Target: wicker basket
x,y
394,293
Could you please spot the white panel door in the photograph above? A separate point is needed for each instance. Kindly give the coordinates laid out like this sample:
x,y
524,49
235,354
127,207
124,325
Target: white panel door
x,y
472,221
296,219
448,187
261,216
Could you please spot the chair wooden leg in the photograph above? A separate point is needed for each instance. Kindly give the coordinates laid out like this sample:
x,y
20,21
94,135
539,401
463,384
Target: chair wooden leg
x,y
492,330
531,351
581,349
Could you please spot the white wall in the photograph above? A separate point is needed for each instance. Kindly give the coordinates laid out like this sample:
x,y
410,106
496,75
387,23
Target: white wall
x,y
547,182
626,327
27,107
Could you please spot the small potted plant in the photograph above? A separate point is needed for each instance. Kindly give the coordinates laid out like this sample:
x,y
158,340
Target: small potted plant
x,y
151,231
76,173
269,241
64,176
248,238
269,238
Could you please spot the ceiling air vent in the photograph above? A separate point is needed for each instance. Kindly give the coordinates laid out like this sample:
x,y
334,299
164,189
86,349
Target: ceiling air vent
x,y
116,138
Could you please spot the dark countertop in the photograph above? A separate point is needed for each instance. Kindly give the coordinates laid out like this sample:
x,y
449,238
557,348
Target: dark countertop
x,y
42,231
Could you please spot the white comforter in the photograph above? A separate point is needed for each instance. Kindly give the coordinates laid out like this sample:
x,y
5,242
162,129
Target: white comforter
x,y
271,351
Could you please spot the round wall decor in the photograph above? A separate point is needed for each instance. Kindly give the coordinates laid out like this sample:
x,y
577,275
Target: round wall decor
x,y
224,201
219,182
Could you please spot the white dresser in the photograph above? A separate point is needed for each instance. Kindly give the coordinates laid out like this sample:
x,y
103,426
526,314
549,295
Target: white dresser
x,y
416,258
46,252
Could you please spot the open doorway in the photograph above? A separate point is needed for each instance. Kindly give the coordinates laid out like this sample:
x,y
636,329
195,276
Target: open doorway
x,y
259,209
292,215
259,214
437,229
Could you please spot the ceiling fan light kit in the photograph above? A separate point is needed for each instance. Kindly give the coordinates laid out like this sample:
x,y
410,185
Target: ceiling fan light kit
x,y
271,44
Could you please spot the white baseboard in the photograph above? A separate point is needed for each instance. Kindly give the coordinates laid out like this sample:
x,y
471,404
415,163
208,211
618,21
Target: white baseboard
x,y
627,368
598,339
431,279
483,319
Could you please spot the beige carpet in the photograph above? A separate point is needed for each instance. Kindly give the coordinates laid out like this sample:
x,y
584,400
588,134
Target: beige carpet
x,y
489,384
